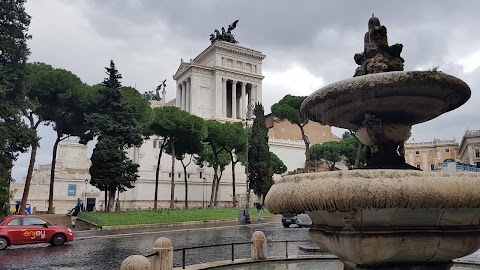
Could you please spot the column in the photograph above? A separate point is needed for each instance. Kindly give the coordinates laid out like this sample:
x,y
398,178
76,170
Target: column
x,y
259,93
243,105
252,98
234,99
184,95
224,97
178,98
189,95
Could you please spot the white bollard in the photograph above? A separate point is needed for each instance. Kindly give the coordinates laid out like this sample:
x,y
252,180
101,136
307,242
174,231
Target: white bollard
x,y
136,262
164,259
259,246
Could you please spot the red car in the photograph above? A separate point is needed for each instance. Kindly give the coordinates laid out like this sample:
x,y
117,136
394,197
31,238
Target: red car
x,y
30,229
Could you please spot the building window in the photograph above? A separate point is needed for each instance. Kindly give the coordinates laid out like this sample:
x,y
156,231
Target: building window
x,y
478,164
477,152
430,151
417,152
447,150
188,175
72,189
169,175
418,166
432,167
154,143
201,175
179,175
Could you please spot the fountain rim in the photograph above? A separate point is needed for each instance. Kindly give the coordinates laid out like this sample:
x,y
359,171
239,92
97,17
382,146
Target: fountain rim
x,y
375,189
375,84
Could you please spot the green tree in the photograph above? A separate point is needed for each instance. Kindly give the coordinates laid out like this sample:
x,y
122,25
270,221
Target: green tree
x,y
66,115
234,144
115,120
288,108
114,117
214,155
174,124
352,151
330,152
277,165
15,136
186,139
46,91
259,162
141,106
218,159
111,169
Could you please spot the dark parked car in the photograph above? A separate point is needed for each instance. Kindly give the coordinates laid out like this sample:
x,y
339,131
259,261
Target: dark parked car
x,y
301,220
289,219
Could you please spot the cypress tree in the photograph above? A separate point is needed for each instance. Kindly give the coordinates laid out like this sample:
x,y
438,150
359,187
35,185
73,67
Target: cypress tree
x,y
259,164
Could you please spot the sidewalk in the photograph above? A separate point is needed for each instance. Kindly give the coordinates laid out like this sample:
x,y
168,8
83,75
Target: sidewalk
x,y
62,219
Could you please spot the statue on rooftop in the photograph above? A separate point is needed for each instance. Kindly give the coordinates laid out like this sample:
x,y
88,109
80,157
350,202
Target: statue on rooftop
x,y
377,56
150,95
224,35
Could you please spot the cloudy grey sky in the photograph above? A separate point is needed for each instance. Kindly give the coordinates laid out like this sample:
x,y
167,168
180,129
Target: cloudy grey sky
x,y
308,44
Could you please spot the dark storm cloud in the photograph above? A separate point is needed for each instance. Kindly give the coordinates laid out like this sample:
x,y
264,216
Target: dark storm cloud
x,y
307,43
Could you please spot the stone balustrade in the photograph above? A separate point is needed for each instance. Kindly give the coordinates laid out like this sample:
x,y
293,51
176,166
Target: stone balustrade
x,y
162,258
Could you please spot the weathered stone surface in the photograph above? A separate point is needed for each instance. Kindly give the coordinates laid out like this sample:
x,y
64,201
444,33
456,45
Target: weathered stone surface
x,y
259,246
386,133
377,56
135,262
394,97
419,266
164,259
377,217
373,189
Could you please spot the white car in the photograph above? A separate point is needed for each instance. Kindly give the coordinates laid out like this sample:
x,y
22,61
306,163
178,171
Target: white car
x,y
303,220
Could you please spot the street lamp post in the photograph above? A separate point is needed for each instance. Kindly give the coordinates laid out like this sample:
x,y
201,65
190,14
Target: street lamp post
x,y
247,172
203,192
85,197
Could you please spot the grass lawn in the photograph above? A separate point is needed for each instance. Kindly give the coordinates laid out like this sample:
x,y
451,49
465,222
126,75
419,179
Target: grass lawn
x,y
165,216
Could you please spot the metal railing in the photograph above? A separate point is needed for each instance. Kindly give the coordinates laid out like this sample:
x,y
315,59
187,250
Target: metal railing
x,y
232,249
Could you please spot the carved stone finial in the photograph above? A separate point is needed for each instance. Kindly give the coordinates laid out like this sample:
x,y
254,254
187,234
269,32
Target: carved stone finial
x,y
377,55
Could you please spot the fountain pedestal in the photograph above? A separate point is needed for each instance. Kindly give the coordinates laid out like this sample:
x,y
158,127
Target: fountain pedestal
x,y
377,219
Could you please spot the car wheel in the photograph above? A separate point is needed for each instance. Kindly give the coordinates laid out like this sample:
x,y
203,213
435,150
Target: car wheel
x,y
3,243
58,239
286,225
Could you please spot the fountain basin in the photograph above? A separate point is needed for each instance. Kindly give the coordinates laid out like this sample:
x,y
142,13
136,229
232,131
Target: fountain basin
x,y
400,97
386,217
384,134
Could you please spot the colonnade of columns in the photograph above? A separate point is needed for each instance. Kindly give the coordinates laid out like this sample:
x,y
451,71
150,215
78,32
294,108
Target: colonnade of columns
x,y
240,102
184,95
236,98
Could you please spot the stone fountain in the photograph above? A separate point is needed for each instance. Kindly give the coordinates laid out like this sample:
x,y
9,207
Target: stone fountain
x,y
387,215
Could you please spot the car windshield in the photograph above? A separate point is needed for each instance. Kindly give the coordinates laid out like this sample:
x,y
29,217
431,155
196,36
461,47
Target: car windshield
x,y
1,220
289,215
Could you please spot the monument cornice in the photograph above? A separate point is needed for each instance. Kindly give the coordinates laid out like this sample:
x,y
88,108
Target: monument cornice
x,y
235,74
226,47
194,68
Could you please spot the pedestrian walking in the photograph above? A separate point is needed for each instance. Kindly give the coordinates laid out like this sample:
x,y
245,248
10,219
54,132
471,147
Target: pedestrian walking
x,y
259,210
17,206
79,203
74,214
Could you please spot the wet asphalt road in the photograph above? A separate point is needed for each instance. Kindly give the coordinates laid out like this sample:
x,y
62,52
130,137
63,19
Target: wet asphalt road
x,y
108,253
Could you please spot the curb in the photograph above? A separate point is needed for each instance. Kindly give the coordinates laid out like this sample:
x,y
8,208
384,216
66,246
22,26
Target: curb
x,y
157,225
161,232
